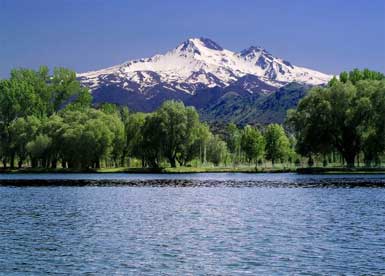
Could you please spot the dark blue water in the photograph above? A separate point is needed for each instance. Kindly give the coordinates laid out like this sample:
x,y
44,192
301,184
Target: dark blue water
x,y
192,231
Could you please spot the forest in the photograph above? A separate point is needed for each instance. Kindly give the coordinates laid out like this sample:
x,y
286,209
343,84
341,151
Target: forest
x,y
49,121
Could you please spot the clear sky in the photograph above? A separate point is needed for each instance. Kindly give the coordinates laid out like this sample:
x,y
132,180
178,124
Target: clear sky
x,y
327,35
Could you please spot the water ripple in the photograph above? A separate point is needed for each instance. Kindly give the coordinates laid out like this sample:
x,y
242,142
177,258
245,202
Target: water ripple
x,y
192,231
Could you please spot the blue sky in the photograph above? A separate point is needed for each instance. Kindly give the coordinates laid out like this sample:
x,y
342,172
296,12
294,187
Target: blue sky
x,y
326,35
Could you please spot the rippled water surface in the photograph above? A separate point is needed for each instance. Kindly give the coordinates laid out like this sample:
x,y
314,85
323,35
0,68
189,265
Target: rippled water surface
x,y
192,230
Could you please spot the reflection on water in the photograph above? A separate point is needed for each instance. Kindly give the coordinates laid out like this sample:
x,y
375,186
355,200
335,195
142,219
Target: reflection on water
x,y
191,231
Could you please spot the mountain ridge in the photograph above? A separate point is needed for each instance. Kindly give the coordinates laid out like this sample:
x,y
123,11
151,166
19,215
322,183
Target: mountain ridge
x,y
244,87
200,63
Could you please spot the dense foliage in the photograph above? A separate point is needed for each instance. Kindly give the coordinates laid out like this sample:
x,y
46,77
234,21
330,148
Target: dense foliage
x,y
27,98
48,121
347,117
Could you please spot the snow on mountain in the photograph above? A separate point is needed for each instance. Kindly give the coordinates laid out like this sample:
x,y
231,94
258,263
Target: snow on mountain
x,y
201,63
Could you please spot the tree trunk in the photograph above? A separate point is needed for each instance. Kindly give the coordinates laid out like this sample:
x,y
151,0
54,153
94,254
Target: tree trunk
x,y
98,164
172,162
349,158
12,161
204,154
33,163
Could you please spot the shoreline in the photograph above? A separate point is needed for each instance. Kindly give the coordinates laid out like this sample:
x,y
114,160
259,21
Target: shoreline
x,y
195,170
360,182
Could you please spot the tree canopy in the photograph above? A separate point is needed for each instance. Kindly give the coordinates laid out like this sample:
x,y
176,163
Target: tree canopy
x,y
347,116
47,120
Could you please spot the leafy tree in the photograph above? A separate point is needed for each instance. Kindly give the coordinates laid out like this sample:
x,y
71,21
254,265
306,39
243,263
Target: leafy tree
x,y
54,127
233,139
173,132
292,155
22,131
314,123
51,93
347,116
116,126
216,150
190,148
39,150
65,87
133,125
173,127
17,100
344,77
252,144
97,140
90,136
203,137
356,75
373,132
277,143
109,108
38,81
152,141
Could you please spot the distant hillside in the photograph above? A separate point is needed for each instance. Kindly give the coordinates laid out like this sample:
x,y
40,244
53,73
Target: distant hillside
x,y
220,105
243,109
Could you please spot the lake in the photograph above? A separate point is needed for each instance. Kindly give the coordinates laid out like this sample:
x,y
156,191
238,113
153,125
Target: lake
x,y
227,227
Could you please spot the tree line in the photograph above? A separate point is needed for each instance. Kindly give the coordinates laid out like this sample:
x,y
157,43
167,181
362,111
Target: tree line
x,y
49,121
346,117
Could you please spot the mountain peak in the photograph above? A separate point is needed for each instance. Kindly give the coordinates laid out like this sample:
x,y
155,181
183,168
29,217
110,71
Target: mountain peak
x,y
252,50
201,63
196,43
208,43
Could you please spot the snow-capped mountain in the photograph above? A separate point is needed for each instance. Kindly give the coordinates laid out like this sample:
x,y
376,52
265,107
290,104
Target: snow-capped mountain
x,y
200,63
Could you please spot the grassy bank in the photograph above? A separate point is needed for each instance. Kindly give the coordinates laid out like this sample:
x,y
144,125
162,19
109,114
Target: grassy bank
x,y
341,170
176,170
241,169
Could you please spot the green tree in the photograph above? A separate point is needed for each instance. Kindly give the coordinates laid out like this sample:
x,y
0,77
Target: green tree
x,y
17,100
39,150
277,144
152,141
356,75
203,137
65,87
345,117
190,148
89,137
22,131
313,120
217,152
38,81
133,125
252,144
54,127
173,127
373,131
233,139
